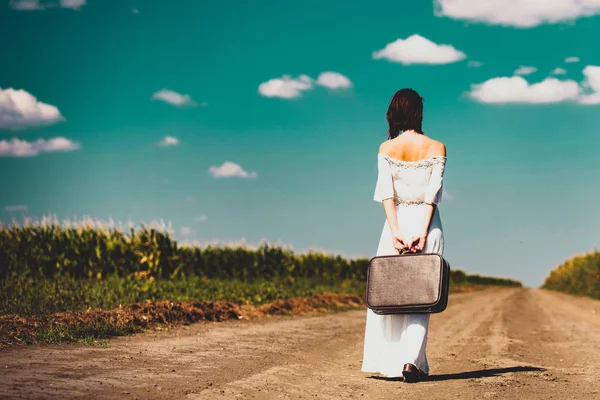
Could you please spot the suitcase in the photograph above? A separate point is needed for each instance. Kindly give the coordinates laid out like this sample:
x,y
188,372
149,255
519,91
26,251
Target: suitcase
x,y
408,283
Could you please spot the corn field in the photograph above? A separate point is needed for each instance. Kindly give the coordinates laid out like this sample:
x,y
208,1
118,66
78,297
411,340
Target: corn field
x,y
579,275
47,250
48,267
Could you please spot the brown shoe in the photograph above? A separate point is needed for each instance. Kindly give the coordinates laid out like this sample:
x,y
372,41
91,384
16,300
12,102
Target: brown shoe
x,y
412,374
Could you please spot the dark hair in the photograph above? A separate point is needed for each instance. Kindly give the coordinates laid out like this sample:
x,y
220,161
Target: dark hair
x,y
405,112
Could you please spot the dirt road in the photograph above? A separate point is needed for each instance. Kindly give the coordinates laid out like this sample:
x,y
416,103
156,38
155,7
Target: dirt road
x,y
495,344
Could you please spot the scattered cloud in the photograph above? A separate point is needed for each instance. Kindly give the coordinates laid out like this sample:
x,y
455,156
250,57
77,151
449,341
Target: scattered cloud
x,y
474,64
517,90
201,218
525,70
516,13
16,208
572,60
29,5
19,109
72,3
591,83
285,87
186,231
418,50
173,98
22,148
26,5
230,169
333,80
135,11
169,141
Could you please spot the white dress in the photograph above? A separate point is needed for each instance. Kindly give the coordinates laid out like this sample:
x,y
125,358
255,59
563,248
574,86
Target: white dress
x,y
394,340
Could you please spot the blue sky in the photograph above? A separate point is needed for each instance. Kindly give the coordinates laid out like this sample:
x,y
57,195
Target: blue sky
x,y
261,121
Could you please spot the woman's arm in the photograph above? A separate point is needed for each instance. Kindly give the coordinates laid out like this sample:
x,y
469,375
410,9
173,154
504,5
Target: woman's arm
x,y
384,193
433,196
417,243
398,240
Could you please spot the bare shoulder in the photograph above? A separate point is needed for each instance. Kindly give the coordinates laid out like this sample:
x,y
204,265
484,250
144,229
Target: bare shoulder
x,y
437,148
385,146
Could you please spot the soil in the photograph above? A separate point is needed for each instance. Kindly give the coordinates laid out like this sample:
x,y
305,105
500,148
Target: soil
x,y
511,343
17,329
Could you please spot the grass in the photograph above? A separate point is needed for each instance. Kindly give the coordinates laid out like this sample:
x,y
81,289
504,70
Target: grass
x,y
29,296
87,333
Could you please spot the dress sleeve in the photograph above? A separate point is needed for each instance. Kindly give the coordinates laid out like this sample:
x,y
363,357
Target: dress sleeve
x,y
385,186
433,194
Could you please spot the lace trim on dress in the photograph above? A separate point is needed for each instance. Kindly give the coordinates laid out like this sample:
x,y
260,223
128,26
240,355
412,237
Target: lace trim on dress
x,y
400,201
424,163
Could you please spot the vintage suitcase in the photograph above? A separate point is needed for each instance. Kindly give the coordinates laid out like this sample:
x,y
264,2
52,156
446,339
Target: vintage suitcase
x,y
408,283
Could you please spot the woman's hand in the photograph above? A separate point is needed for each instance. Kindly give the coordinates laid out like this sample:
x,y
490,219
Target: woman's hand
x,y
417,243
399,242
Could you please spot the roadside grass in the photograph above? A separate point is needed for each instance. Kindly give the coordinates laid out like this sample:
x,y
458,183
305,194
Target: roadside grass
x,y
93,327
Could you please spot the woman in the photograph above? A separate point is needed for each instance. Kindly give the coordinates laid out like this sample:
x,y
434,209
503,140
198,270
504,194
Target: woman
x,y
409,185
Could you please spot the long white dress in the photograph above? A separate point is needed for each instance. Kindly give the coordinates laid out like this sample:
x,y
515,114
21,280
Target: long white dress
x,y
394,340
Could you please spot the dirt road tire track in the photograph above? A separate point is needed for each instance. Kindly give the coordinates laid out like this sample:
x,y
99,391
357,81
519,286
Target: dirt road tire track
x,y
497,344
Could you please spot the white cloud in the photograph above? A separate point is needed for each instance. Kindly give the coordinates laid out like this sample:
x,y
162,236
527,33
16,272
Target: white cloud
x,y
201,218
169,141
418,50
333,80
19,109
16,208
285,87
593,98
516,13
187,231
22,148
525,70
592,82
572,60
72,3
28,5
517,90
474,64
135,11
230,169
190,198
173,98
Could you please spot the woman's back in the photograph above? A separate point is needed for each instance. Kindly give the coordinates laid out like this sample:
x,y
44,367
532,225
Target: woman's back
x,y
411,146
415,164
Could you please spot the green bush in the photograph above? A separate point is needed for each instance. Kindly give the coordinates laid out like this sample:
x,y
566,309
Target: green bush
x,y
579,275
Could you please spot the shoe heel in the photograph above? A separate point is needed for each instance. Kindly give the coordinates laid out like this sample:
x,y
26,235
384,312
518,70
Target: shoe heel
x,y
410,373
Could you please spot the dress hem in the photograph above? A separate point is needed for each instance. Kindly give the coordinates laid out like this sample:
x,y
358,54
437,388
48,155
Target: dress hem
x,y
382,373
386,374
